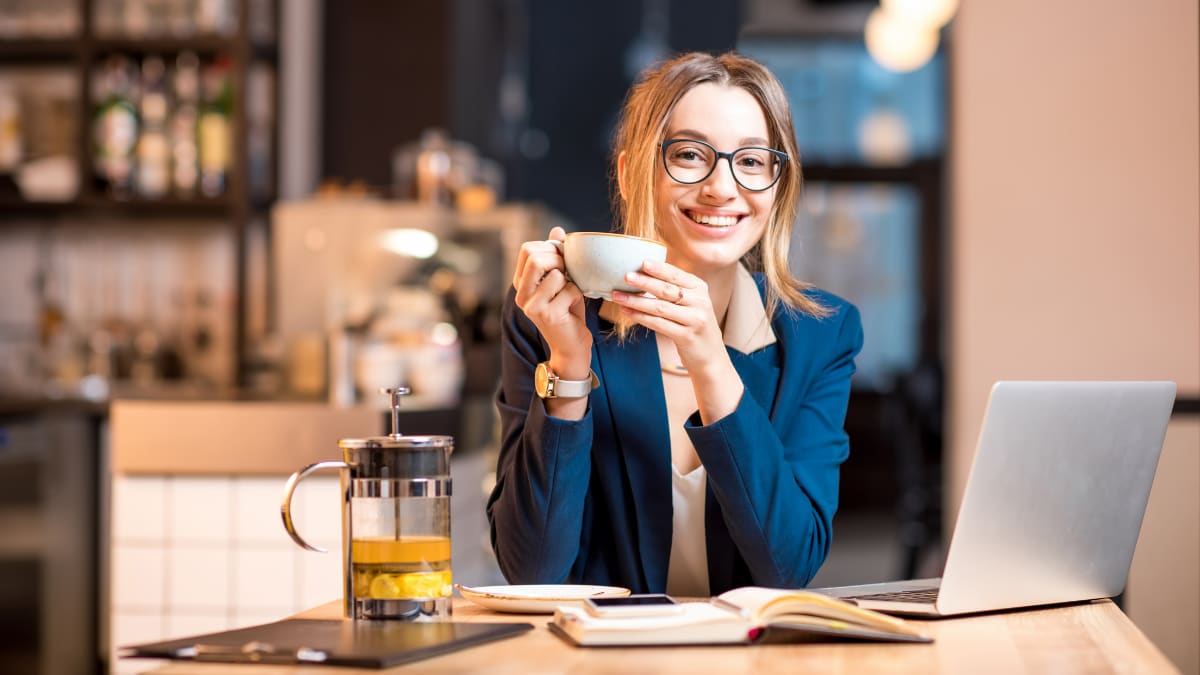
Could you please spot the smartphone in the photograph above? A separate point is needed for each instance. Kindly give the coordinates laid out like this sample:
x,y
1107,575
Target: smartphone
x,y
649,604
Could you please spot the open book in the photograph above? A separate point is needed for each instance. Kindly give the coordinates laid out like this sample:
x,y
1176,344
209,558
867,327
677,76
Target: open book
x,y
741,616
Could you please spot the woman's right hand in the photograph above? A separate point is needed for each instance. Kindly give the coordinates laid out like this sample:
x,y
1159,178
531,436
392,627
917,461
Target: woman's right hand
x,y
555,305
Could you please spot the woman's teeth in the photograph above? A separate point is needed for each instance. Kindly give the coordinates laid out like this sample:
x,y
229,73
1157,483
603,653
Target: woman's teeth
x,y
714,221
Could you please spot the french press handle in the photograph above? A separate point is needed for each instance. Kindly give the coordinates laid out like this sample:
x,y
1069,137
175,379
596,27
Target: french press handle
x,y
285,509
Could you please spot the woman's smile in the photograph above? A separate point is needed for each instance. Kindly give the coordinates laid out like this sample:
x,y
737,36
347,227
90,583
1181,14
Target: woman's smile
x,y
714,219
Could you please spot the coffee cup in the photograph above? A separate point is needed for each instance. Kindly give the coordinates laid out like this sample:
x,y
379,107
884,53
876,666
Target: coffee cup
x,y
597,262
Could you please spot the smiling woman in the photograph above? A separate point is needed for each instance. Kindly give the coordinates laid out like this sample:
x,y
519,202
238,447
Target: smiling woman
x,y
707,456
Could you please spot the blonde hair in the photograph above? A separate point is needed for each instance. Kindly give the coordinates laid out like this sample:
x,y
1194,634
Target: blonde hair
x,y
641,129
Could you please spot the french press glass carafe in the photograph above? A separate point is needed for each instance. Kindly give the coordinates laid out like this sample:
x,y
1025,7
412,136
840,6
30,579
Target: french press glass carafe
x,y
395,522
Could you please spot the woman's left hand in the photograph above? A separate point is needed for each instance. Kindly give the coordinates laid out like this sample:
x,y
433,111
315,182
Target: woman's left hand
x,y
677,306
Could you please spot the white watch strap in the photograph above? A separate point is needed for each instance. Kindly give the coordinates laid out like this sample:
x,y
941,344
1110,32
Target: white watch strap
x,y
560,388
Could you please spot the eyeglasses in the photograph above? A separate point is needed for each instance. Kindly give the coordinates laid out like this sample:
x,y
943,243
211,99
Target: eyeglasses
x,y
689,161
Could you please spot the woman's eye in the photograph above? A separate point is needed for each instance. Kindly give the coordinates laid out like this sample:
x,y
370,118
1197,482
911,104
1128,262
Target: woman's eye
x,y
688,155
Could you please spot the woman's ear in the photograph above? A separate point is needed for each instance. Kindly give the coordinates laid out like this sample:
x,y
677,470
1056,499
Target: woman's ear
x,y
621,161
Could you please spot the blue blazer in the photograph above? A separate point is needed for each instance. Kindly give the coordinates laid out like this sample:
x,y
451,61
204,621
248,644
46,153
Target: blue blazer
x,y
589,501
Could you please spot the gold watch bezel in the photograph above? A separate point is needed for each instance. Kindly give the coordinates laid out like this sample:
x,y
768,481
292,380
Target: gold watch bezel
x,y
545,382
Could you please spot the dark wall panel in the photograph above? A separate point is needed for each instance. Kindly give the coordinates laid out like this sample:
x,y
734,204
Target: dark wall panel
x,y
387,77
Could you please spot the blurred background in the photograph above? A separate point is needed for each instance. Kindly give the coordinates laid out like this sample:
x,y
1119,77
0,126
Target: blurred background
x,y
244,216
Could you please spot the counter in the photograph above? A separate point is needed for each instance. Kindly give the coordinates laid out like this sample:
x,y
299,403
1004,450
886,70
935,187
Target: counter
x,y
1080,638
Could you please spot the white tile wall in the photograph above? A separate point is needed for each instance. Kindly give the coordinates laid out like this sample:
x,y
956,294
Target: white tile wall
x,y
256,518
191,623
198,578
144,516
138,577
320,577
264,579
140,628
199,554
317,511
201,509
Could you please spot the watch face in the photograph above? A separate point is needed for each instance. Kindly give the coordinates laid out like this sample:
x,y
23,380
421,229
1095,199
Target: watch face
x,y
541,380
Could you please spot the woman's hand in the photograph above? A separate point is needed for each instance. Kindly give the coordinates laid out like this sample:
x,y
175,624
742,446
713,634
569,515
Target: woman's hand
x,y
555,305
679,307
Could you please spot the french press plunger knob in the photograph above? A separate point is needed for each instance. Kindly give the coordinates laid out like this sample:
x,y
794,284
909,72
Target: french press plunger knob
x,y
395,393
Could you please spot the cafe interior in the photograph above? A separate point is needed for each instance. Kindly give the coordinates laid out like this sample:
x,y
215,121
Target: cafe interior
x,y
225,225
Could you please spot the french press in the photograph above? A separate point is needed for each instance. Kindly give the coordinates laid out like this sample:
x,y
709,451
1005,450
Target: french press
x,y
395,522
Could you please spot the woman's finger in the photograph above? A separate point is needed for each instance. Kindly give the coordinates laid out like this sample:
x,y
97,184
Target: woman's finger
x,y
676,327
540,258
671,274
652,304
664,290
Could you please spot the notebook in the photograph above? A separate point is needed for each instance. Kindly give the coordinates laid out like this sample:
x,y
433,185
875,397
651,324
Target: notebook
x,y
363,644
1053,503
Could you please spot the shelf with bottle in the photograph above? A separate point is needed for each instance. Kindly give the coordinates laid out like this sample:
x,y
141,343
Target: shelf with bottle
x,y
163,129
144,151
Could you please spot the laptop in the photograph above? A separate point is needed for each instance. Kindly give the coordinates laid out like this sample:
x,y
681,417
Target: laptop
x,y
1053,504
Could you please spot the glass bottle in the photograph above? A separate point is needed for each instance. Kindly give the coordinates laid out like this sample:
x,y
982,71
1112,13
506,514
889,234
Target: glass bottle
x,y
153,151
185,169
116,127
214,129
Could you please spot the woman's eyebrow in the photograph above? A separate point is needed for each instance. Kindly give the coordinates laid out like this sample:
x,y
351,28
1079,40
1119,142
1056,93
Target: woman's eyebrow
x,y
688,133
701,136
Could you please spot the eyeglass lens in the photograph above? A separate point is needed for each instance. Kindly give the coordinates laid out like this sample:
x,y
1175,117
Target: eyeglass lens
x,y
693,161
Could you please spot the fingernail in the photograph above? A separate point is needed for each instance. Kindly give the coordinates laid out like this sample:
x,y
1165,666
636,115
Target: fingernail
x,y
649,264
618,296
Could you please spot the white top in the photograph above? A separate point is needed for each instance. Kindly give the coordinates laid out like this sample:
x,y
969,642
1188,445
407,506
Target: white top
x,y
687,572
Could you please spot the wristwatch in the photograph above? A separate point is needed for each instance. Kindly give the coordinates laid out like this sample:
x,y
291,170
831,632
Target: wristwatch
x,y
549,385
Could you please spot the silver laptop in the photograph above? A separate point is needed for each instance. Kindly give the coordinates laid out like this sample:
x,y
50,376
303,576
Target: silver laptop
x,y
1053,504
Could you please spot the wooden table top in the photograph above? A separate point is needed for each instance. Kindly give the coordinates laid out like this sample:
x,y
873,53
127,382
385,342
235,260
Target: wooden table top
x,y
1093,637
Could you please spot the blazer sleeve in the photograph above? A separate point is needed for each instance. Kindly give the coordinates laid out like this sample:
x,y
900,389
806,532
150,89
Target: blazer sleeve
x,y
536,507
776,480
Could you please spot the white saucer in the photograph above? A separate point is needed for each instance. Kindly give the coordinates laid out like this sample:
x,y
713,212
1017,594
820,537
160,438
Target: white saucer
x,y
535,599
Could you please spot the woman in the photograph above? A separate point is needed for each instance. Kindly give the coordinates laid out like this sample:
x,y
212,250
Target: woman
x,y
707,455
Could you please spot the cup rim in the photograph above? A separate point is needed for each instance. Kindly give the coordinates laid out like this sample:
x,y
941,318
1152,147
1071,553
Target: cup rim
x,y
618,235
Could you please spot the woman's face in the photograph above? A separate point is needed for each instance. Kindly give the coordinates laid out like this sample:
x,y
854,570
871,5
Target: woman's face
x,y
708,226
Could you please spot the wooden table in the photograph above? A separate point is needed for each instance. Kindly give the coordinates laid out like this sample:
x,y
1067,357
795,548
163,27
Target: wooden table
x,y
1093,637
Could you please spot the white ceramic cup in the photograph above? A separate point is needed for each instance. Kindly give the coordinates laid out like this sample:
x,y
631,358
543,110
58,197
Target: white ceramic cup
x,y
597,262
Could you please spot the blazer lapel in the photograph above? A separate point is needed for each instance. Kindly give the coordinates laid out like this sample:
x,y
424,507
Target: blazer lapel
x,y
644,442
760,374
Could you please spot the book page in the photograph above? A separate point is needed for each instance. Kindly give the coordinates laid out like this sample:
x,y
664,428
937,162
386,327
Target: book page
x,y
766,604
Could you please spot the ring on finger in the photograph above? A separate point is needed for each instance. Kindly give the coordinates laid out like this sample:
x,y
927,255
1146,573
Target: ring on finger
x,y
678,295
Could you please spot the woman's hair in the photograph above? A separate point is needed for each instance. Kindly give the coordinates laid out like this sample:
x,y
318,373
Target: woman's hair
x,y
642,127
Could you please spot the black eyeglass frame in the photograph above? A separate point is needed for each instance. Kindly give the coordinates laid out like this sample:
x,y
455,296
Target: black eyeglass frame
x,y
727,156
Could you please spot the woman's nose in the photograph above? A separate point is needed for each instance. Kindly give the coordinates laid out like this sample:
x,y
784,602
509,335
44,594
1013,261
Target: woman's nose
x,y
720,184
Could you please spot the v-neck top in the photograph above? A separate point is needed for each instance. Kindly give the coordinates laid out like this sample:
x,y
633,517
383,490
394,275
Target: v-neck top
x,y
747,330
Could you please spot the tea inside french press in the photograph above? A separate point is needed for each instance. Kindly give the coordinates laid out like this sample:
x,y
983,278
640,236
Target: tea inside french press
x,y
395,522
